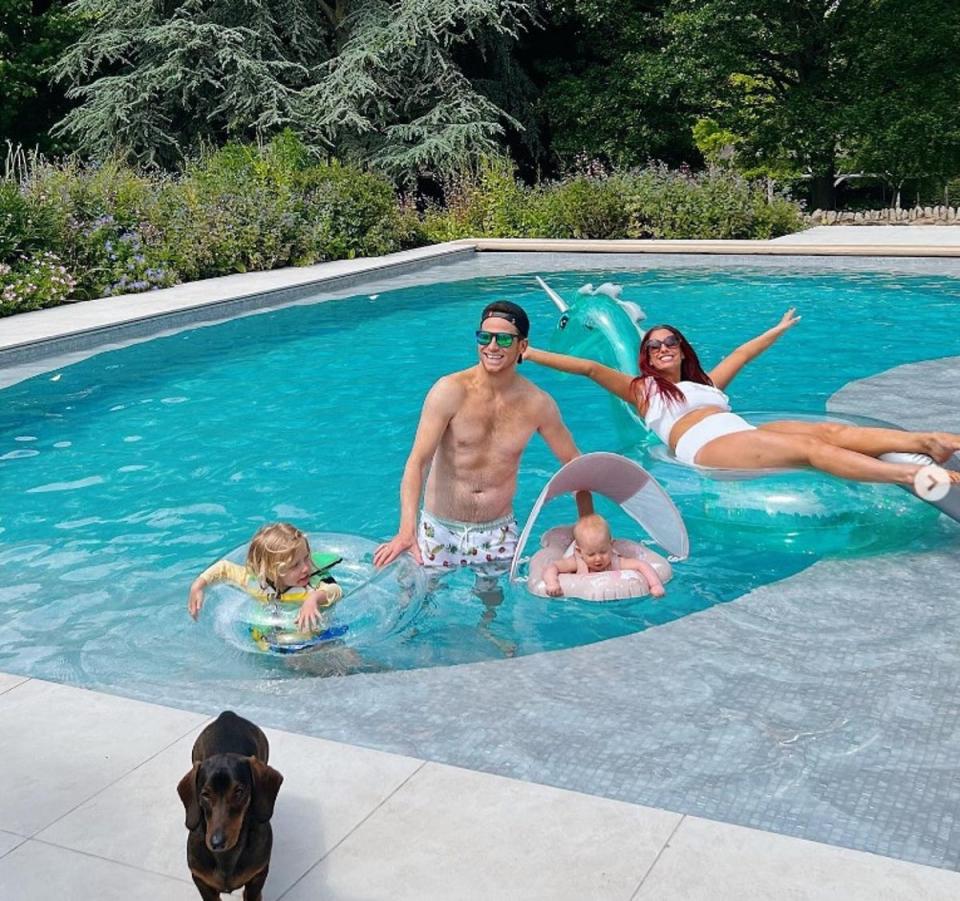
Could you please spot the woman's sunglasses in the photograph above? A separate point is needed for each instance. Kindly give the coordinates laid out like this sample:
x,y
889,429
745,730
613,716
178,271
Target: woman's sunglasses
x,y
504,339
653,345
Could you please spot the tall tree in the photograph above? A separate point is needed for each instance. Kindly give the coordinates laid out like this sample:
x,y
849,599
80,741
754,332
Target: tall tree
x,y
824,85
33,33
904,121
375,80
776,73
608,90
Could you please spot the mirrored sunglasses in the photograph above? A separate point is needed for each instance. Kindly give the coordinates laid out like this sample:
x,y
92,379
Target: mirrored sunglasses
x,y
503,339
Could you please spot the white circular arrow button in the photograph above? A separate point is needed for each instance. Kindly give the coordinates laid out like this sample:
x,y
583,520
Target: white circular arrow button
x,y
932,483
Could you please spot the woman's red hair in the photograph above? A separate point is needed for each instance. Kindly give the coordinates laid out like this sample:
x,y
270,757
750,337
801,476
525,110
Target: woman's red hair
x,y
690,368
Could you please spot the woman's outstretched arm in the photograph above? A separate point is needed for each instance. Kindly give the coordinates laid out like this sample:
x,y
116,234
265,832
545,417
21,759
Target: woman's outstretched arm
x,y
616,382
723,373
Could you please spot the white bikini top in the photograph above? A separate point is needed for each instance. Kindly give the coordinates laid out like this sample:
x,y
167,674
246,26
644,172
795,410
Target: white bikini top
x,y
663,413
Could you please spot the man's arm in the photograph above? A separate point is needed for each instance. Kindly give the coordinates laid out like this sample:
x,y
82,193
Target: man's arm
x,y
442,402
560,441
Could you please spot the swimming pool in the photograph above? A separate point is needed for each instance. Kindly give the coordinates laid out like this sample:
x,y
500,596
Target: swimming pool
x,y
127,473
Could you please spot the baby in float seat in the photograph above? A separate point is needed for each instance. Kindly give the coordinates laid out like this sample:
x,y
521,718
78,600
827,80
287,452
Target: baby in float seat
x,y
593,552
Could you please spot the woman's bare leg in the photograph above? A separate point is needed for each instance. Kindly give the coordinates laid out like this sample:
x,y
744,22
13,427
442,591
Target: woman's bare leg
x,y
773,449
872,441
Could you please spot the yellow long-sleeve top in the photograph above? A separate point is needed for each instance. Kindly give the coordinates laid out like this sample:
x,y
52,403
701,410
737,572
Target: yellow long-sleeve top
x,y
237,574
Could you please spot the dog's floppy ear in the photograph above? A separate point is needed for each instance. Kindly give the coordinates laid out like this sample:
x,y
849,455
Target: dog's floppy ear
x,y
187,789
266,784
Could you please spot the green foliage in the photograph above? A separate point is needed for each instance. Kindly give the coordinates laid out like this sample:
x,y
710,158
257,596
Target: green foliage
x,y
816,86
234,210
347,213
28,224
584,207
243,208
609,90
33,34
716,144
34,283
120,230
655,202
904,122
374,81
487,201
109,237
718,205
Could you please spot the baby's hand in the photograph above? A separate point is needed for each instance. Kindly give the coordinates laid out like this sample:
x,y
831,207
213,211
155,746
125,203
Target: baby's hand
x,y
555,590
658,591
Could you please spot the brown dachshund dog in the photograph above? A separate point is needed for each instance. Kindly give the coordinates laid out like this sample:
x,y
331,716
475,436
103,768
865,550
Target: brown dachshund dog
x,y
229,796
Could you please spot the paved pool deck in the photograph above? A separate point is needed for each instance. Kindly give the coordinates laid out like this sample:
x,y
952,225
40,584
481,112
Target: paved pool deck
x,y
90,811
445,797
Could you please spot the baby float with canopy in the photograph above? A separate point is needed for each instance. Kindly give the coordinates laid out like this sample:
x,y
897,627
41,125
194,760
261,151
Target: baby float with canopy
x,y
641,498
799,511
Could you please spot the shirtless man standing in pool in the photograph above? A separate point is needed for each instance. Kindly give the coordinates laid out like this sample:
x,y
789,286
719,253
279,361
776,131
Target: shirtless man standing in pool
x,y
474,427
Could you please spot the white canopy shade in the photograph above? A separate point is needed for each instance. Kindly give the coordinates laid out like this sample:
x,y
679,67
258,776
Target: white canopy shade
x,y
626,483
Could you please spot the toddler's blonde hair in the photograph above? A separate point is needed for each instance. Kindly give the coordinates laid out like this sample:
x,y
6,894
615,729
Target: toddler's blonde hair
x,y
273,550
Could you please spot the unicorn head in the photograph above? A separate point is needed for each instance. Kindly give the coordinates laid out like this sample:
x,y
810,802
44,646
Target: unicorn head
x,y
598,325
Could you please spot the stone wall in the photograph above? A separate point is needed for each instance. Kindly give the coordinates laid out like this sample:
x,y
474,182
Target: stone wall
x,y
920,215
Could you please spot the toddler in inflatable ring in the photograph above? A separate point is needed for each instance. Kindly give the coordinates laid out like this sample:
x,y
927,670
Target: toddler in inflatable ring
x,y
279,567
593,552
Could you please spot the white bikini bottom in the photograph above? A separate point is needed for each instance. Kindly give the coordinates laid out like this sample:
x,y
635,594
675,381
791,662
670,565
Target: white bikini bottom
x,y
713,426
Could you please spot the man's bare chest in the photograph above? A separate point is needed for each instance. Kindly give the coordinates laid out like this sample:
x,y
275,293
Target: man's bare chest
x,y
498,429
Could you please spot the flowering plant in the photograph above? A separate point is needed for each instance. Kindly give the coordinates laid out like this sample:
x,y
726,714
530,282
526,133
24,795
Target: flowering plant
x,y
35,282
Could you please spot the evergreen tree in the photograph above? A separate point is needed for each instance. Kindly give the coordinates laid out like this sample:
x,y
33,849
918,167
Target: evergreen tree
x,y
374,80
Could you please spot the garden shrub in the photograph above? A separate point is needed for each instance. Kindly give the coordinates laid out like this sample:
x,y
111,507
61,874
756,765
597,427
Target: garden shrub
x,y
234,210
655,202
109,238
35,282
349,213
584,207
715,205
487,202
27,224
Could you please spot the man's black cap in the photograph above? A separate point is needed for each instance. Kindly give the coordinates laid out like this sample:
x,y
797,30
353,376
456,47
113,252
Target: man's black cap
x,y
505,309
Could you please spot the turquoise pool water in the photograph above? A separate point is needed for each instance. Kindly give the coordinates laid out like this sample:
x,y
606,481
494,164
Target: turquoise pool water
x,y
124,475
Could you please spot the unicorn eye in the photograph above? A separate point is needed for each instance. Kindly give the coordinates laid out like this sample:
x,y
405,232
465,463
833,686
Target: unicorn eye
x,y
562,324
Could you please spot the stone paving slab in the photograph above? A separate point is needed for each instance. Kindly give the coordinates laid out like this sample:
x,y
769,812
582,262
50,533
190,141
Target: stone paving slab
x,y
888,236
708,861
452,833
9,841
9,681
62,745
38,872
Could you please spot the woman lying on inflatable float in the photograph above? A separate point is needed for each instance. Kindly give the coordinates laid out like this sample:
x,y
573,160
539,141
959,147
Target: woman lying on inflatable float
x,y
688,410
